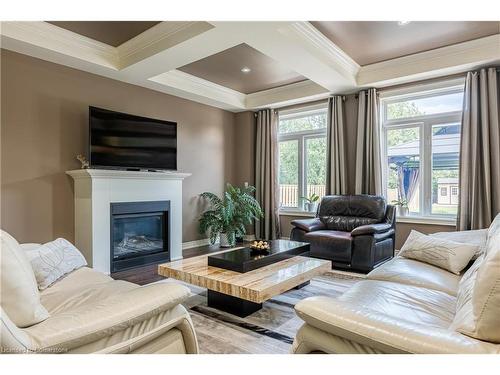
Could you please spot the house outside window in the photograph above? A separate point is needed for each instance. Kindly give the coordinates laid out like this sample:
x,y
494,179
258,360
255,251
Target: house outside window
x,y
302,155
421,148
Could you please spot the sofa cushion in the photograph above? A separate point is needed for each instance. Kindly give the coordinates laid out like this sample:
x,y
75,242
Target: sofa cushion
x,y
127,313
478,315
19,291
412,272
330,244
387,329
473,237
406,302
449,255
463,317
53,260
81,287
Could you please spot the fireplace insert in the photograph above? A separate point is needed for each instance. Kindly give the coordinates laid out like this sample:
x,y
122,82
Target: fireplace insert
x,y
139,234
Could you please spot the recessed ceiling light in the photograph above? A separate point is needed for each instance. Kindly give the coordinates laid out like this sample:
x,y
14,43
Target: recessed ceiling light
x,y
246,69
403,23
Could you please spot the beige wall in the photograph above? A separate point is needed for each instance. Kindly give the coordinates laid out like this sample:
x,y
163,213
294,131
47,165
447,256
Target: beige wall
x,y
244,152
244,148
45,124
404,229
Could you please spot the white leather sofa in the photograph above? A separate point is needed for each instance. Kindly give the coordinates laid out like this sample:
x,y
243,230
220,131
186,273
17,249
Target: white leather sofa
x,y
89,312
404,306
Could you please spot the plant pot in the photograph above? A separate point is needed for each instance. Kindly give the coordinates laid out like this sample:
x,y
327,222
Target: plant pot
x,y
224,240
313,207
403,211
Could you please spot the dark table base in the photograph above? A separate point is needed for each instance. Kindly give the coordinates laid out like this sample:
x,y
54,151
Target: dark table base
x,y
234,305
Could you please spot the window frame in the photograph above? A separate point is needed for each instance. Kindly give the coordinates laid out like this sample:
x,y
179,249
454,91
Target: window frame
x,y
425,124
301,137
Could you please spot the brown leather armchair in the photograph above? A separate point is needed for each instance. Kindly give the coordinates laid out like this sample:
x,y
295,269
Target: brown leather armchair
x,y
353,231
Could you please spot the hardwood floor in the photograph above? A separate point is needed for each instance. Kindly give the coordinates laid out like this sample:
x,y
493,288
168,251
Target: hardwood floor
x,y
149,274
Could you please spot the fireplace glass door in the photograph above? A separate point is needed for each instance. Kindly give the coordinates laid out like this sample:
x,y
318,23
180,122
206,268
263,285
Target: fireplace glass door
x,y
137,234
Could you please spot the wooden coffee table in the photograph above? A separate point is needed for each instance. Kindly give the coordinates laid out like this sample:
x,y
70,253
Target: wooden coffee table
x,y
242,294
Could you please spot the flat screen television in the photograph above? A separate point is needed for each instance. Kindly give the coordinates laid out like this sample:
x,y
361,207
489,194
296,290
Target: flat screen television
x,y
123,141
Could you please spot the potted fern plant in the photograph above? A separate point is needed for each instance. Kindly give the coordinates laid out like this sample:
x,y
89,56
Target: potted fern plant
x,y
227,217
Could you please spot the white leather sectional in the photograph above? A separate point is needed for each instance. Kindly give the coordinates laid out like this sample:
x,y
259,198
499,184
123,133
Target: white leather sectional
x,y
89,312
404,306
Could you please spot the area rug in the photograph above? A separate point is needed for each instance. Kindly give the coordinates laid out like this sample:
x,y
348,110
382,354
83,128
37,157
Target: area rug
x,y
268,331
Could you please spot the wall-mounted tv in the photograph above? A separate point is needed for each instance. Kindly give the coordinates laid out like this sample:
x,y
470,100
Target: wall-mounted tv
x,y
120,140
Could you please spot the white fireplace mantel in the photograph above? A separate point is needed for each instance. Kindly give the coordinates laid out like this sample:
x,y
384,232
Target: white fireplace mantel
x,y
96,189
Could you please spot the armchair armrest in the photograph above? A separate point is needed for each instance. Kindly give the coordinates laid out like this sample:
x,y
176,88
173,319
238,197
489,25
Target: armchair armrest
x,y
103,318
371,229
392,334
308,225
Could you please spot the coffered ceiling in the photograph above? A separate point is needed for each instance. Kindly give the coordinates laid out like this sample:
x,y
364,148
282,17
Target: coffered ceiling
x,y
113,33
369,42
244,69
289,62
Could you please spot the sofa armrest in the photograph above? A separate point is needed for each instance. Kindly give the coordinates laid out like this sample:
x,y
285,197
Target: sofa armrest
x,y
387,333
308,225
103,318
363,230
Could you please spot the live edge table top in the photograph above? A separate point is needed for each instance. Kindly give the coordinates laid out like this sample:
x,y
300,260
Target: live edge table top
x,y
256,286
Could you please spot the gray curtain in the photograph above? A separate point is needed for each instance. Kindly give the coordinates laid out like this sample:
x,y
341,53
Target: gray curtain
x,y
480,151
266,174
336,168
368,163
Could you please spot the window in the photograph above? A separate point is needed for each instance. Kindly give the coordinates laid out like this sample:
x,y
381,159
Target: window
x,y
302,155
421,147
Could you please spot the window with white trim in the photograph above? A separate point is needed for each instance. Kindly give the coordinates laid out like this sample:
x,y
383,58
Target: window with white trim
x,y
421,149
302,155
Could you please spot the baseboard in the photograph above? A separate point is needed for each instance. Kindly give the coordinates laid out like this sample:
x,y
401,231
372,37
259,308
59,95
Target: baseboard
x,y
285,238
196,243
206,241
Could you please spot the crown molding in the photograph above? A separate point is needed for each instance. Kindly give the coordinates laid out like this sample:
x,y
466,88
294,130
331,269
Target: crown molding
x,y
294,93
442,61
50,37
331,53
196,87
158,38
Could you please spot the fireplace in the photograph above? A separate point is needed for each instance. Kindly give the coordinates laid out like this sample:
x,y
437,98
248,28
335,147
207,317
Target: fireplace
x,y
140,234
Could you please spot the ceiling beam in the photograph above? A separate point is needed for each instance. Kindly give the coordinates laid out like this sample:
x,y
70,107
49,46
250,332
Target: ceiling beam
x,y
286,95
193,86
158,38
438,62
302,48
